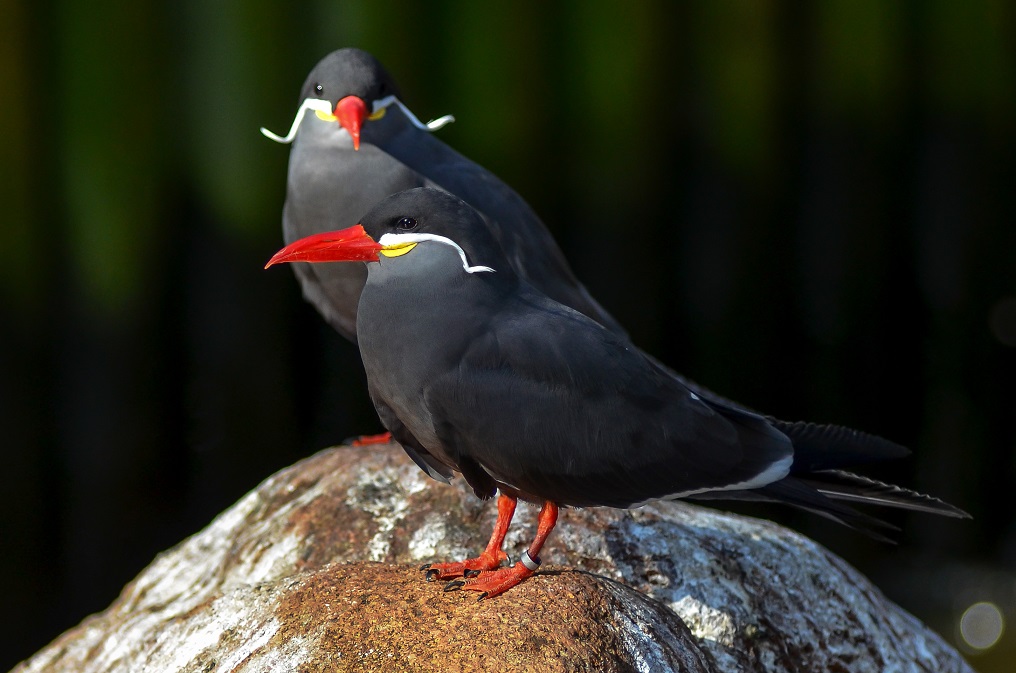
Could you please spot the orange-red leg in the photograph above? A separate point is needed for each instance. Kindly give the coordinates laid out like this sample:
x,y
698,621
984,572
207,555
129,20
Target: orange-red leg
x,y
367,440
493,582
490,558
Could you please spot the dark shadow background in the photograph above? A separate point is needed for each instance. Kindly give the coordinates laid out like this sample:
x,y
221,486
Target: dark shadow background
x,y
810,210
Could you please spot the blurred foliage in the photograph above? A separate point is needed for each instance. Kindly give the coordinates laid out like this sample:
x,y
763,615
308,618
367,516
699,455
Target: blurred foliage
x,y
17,233
809,208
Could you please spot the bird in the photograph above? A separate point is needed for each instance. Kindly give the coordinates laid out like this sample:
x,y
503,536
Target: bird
x,y
362,144
475,371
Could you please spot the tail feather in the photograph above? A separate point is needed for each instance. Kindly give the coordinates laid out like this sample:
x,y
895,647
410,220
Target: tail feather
x,y
793,491
850,487
827,447
817,482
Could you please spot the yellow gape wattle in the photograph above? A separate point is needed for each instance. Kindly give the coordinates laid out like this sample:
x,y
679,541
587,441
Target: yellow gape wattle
x,y
397,250
329,117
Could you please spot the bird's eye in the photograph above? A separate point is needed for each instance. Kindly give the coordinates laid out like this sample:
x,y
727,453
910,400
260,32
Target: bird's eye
x,y
406,223
318,89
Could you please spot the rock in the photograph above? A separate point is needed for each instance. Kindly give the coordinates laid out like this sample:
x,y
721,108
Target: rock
x,y
316,570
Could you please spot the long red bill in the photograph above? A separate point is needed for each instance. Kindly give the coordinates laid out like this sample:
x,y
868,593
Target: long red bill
x,y
351,111
347,245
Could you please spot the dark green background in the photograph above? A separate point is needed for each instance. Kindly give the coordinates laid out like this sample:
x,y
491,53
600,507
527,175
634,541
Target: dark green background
x,y
808,208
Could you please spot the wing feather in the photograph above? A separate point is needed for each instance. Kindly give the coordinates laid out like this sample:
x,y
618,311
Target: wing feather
x,y
554,405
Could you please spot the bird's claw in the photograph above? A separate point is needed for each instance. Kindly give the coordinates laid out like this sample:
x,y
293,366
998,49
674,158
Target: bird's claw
x,y
454,585
469,568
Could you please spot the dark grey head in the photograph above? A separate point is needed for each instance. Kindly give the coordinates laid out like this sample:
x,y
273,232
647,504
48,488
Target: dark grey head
x,y
416,215
419,231
348,72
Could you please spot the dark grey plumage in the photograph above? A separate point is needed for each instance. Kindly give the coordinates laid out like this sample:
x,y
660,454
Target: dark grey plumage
x,y
482,374
330,187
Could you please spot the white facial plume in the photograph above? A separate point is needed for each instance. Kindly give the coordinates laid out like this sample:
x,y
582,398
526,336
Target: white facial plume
x,y
401,241
324,110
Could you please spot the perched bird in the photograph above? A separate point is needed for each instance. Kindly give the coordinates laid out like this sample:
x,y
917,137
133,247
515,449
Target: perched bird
x,y
476,371
362,144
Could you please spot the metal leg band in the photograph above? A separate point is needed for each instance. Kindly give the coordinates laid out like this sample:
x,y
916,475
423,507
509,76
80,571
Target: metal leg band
x,y
529,562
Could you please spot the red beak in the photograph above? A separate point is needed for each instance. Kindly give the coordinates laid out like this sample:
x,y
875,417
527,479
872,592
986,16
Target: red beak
x,y
348,245
351,111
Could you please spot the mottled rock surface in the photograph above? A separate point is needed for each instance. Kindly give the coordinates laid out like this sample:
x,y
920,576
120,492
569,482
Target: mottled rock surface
x,y
316,570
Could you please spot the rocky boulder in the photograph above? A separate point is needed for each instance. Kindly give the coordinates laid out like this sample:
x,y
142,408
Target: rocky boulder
x,y
317,570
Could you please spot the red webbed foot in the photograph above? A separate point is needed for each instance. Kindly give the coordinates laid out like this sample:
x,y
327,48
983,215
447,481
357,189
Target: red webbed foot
x,y
368,440
468,568
491,557
494,582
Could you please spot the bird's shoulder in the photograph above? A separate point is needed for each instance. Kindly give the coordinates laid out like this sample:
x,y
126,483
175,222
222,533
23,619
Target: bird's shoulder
x,y
538,339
